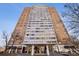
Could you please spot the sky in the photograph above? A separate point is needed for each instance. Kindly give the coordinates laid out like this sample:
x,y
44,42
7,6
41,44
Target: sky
x,y
10,14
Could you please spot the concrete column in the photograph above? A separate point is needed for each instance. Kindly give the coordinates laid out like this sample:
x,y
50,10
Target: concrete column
x,y
16,50
22,49
40,50
9,50
70,50
47,50
32,53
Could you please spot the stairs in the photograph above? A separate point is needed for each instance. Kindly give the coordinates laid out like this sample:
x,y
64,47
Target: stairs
x,y
43,54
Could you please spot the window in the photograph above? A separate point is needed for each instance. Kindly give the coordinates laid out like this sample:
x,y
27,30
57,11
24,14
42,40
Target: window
x,y
32,34
32,38
37,28
20,25
37,38
41,23
42,26
17,35
29,26
49,41
37,31
50,25
24,25
52,38
27,34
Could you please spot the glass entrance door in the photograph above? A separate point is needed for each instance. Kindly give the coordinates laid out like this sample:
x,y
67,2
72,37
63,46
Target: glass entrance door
x,y
40,50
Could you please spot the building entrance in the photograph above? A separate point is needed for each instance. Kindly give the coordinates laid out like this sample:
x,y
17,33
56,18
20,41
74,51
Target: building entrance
x,y
40,50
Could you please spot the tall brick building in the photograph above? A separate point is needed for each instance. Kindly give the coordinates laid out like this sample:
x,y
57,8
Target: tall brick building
x,y
39,31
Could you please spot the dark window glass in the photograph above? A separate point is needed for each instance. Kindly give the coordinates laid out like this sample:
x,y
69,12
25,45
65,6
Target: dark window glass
x,y
37,31
37,28
50,25
27,34
32,34
51,37
32,38
37,38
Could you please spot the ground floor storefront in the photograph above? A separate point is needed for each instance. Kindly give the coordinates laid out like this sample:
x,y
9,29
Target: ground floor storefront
x,y
36,49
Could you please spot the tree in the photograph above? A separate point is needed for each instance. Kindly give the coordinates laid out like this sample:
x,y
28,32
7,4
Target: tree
x,y
71,16
75,41
5,36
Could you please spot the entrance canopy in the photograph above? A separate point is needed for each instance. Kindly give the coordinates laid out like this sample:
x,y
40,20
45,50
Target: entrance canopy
x,y
39,42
